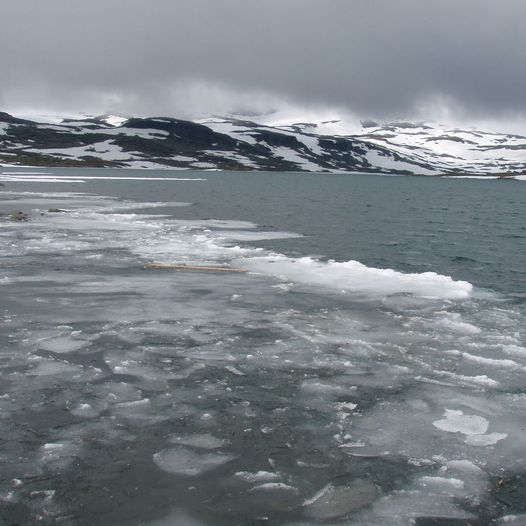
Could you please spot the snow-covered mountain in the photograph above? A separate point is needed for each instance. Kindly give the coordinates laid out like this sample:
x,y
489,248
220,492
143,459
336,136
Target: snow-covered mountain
x,y
233,144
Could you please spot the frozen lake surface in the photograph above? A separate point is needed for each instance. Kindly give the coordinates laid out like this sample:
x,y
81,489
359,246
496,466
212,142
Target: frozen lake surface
x,y
369,368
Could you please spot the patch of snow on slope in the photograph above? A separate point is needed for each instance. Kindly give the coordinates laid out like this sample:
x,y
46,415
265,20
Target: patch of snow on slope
x,y
143,133
182,158
106,151
292,156
311,142
232,156
140,164
231,129
202,164
384,162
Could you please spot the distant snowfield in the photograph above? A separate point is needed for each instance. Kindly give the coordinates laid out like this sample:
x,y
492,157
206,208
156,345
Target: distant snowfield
x,y
440,147
469,150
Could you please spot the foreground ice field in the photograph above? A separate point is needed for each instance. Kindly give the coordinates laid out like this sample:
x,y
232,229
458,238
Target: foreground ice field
x,y
302,392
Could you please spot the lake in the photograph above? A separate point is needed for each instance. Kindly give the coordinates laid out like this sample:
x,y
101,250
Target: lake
x,y
367,366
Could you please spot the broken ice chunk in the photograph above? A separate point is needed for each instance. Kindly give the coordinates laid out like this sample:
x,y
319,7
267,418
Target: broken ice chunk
x,y
204,441
332,502
458,422
183,461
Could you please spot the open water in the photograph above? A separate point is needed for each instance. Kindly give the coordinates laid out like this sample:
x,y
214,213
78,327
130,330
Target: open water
x,y
369,368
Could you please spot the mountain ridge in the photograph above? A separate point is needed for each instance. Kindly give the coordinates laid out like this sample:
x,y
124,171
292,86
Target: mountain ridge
x,y
232,143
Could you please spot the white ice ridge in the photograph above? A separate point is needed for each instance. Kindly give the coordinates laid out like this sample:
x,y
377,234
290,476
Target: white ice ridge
x,y
26,173
353,276
39,179
36,177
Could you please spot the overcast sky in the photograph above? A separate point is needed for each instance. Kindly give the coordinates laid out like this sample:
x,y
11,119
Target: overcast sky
x,y
372,58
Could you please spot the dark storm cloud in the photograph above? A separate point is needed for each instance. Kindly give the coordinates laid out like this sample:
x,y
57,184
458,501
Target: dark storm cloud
x,y
373,57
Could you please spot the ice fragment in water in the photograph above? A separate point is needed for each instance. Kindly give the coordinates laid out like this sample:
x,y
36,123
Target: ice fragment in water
x,y
337,501
205,441
234,370
349,406
485,440
47,367
458,422
85,410
58,454
183,461
442,481
259,476
512,520
63,344
273,486
177,518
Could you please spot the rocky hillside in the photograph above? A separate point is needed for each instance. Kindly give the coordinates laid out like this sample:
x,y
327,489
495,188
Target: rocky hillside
x,y
233,144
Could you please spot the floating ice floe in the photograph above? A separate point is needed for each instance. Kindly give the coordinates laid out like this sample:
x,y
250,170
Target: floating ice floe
x,y
333,502
458,422
473,426
258,476
184,461
63,344
202,441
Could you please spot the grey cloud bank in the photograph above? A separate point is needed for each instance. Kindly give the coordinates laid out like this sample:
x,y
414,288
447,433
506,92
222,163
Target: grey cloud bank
x,y
376,58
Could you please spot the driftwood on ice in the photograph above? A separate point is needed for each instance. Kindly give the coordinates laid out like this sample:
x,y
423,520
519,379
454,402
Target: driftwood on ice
x,y
182,266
